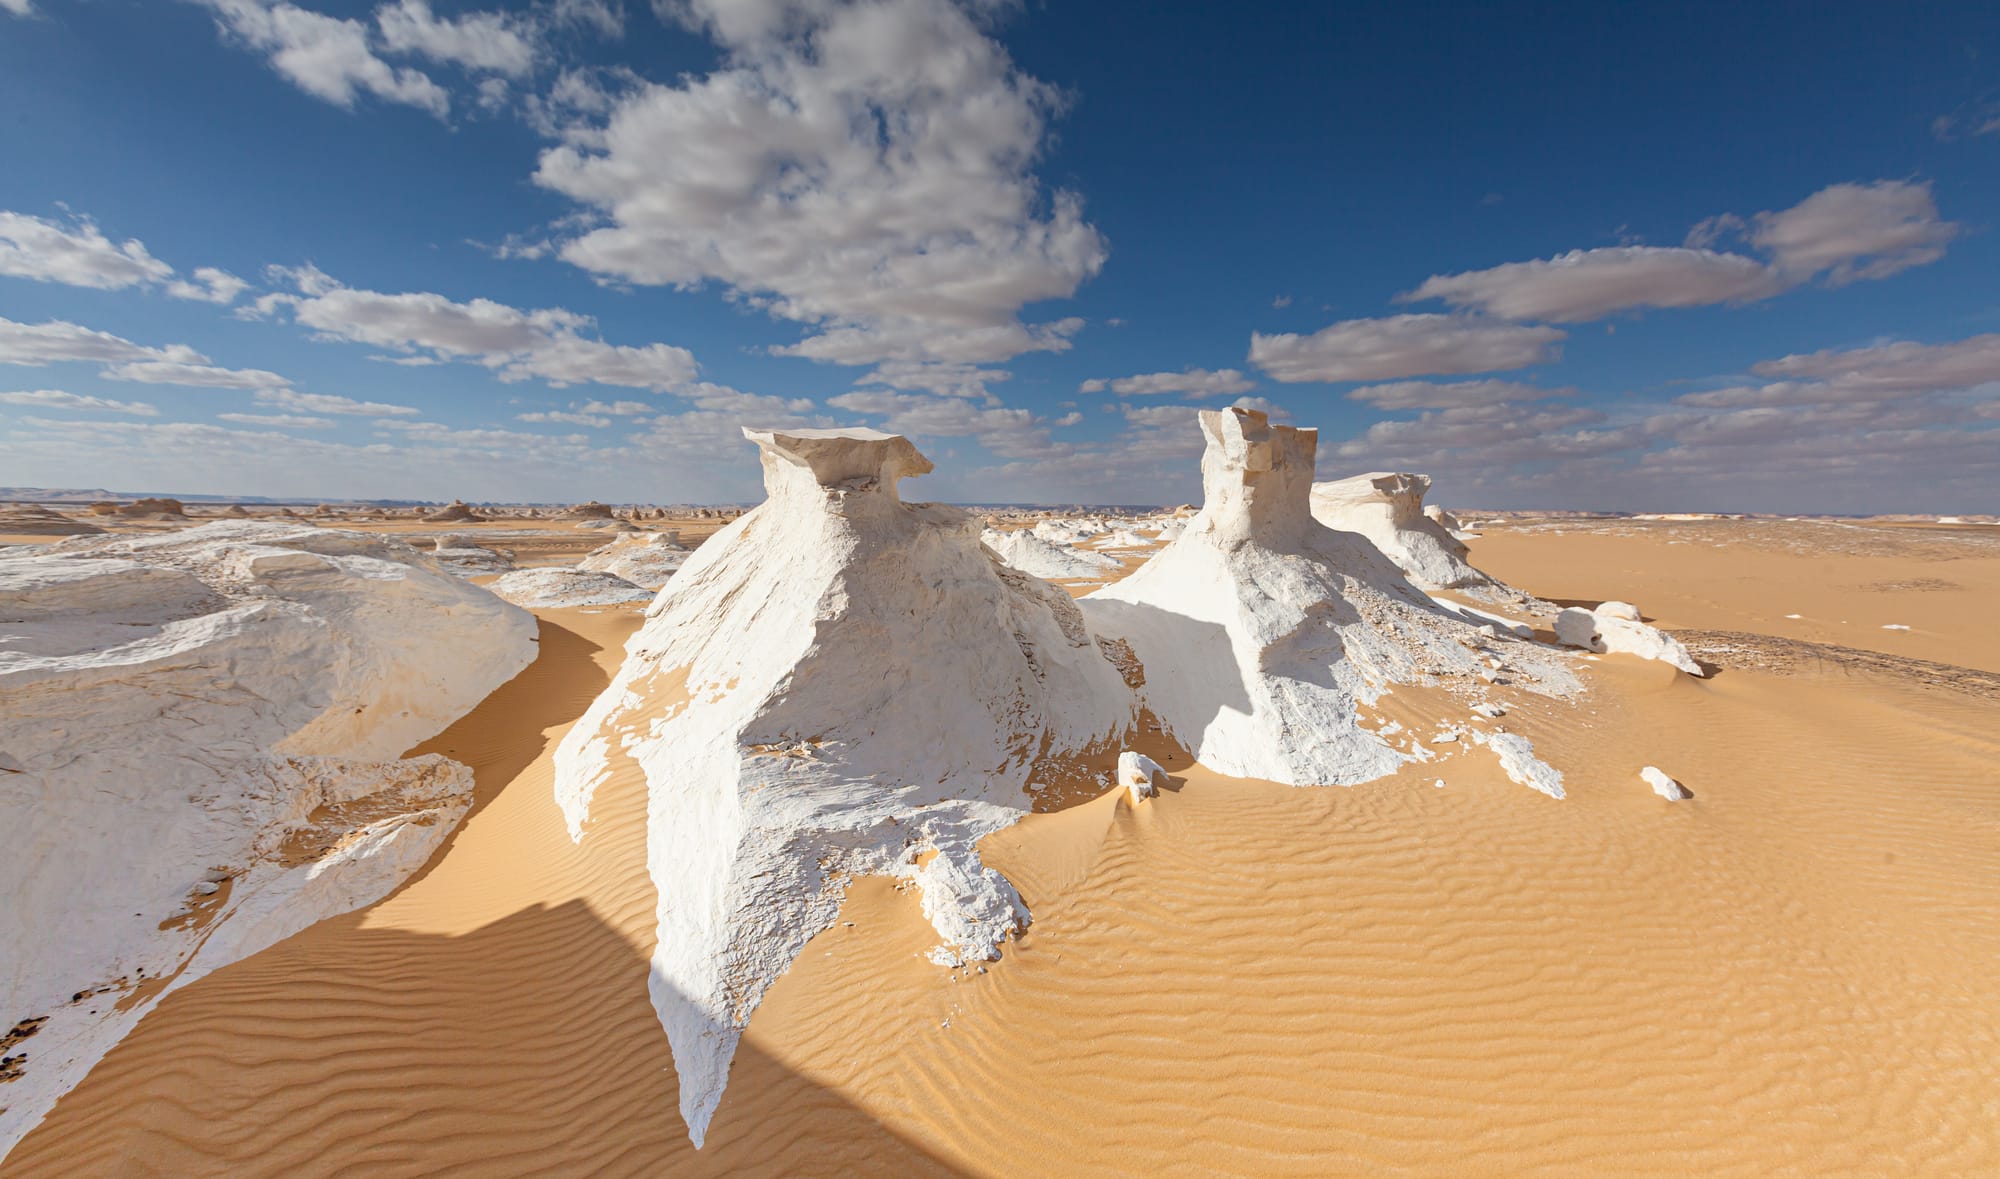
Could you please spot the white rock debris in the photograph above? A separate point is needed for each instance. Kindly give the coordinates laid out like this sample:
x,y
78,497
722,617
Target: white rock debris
x,y
1518,761
1031,553
646,559
1614,633
203,731
834,684
1663,784
1261,630
1387,507
1140,775
468,558
557,588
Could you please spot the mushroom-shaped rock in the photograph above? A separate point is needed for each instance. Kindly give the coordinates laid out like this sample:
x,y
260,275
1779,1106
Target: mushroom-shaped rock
x,y
1663,784
835,684
1261,631
1140,775
453,513
590,511
1387,507
1613,633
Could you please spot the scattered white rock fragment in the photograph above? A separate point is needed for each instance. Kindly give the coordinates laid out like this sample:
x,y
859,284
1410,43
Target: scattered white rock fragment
x,y
238,693
1140,775
1518,761
1662,784
1608,634
646,559
1490,710
929,679
1615,609
1894,626
1795,616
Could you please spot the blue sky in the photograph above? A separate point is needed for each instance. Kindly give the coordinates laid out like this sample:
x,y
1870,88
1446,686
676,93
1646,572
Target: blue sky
x,y
1604,256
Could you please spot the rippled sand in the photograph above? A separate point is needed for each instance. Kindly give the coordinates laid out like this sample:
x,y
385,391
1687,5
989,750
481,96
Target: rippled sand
x,y
1788,973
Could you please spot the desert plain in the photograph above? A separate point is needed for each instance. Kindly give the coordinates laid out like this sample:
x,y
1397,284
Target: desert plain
x,y
1786,968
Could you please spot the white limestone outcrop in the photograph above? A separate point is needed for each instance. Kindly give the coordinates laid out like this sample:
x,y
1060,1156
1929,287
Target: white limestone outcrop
x,y
836,684
200,754
646,559
1261,631
1614,628
1387,507
543,589
1030,553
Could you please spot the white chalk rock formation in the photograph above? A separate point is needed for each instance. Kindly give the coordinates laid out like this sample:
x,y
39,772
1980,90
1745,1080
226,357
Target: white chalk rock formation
x,y
1615,633
1261,630
1387,507
1030,553
200,733
543,589
1124,538
646,559
468,558
838,683
1663,784
1140,775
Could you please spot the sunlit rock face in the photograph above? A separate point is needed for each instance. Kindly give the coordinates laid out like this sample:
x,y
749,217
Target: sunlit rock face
x,y
1262,631
836,684
1387,507
201,739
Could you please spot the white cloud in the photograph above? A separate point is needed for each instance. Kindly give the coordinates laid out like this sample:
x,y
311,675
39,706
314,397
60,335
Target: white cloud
x,y
1843,232
283,421
1403,346
59,340
517,345
209,285
1450,394
623,409
943,379
1194,382
557,415
57,399
320,403
1587,284
865,168
17,7
195,371
1880,373
327,57
1069,419
77,254
491,41
1855,231
1010,433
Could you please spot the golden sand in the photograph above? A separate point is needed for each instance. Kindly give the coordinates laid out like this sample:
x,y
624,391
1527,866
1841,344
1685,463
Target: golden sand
x,y
1788,973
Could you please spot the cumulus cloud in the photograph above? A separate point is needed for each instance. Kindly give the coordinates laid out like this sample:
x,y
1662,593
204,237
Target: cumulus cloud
x,y
1194,382
328,57
863,167
17,7
546,344
58,399
1450,394
209,285
491,41
77,254
564,416
1841,233
59,341
1403,346
1010,433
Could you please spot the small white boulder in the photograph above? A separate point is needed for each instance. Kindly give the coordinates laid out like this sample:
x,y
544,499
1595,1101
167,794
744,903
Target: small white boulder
x,y
1662,784
1140,775
1612,634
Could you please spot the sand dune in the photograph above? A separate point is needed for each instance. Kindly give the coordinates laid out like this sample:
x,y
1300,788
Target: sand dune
x,y
1787,973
